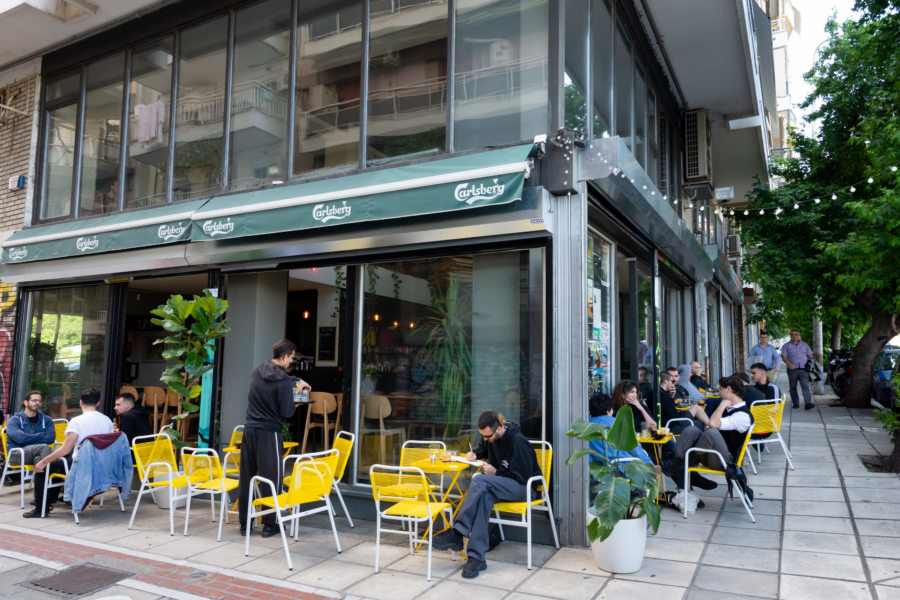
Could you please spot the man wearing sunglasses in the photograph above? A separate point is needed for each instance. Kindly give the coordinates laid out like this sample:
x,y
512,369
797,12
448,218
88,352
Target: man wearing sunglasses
x,y
510,462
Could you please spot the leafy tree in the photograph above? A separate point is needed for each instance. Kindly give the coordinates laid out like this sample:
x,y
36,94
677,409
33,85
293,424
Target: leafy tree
x,y
838,258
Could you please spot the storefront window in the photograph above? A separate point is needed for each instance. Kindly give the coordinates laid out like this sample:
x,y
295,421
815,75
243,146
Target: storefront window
x,y
576,77
601,66
200,111
66,342
407,79
652,141
599,304
327,112
640,117
445,340
623,87
712,323
148,126
259,96
501,71
61,96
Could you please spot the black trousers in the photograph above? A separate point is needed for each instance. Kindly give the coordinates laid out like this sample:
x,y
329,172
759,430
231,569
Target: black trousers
x,y
260,455
41,478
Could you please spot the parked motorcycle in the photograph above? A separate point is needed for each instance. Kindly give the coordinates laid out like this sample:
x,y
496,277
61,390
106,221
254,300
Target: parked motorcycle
x,y
840,370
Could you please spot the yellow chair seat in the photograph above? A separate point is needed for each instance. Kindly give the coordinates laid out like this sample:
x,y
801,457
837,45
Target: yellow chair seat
x,y
702,469
519,508
400,490
415,509
288,499
216,484
178,482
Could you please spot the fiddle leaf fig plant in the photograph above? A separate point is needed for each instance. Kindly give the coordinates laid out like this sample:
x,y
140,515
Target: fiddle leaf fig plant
x,y
192,326
625,490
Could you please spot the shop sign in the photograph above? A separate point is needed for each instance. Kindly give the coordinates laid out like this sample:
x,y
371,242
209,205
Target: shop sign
x,y
471,193
212,228
331,212
17,253
171,231
87,243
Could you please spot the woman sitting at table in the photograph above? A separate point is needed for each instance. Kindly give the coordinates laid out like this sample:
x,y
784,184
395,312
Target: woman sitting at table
x,y
601,408
626,394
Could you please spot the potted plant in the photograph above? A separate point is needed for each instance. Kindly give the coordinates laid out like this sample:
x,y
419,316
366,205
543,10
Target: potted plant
x,y
191,328
625,500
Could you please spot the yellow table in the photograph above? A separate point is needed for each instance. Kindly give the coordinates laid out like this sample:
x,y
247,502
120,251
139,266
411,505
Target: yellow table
x,y
656,444
440,467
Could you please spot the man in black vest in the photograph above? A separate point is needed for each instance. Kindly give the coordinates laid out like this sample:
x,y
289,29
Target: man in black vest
x,y
725,434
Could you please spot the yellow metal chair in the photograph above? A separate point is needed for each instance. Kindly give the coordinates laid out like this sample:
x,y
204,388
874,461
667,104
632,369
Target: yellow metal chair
x,y
60,426
205,476
525,510
767,416
233,451
404,494
310,482
343,443
742,494
419,451
26,472
155,457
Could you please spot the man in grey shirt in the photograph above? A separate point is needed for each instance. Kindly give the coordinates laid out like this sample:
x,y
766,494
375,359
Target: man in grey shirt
x,y
795,354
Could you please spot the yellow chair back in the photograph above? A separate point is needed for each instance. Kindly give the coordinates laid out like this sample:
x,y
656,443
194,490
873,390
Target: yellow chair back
x,y
544,452
60,426
399,484
310,481
237,435
343,443
750,432
201,465
767,416
3,434
414,451
158,449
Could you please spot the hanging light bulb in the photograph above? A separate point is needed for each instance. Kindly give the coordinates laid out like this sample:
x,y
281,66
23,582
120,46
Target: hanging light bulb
x,y
796,206
731,212
868,142
894,169
852,189
746,212
665,197
834,196
870,180
701,208
817,200
778,211
762,211
675,201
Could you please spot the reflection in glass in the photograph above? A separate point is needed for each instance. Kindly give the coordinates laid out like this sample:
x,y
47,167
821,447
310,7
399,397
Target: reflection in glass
x,y
712,320
200,111
652,141
148,127
623,87
445,340
102,136
259,95
407,79
62,87
501,72
66,339
59,162
576,75
640,117
601,66
329,51
599,303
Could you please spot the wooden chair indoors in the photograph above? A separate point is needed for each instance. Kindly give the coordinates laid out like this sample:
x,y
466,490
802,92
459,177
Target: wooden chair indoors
x,y
155,404
130,389
378,407
321,405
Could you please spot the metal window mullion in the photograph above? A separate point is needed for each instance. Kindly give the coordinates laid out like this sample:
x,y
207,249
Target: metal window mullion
x,y
226,120
123,129
451,75
364,86
173,114
556,58
357,406
79,145
588,75
292,93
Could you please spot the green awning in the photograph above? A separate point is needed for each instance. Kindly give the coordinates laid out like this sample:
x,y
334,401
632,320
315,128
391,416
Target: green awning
x,y
462,182
118,231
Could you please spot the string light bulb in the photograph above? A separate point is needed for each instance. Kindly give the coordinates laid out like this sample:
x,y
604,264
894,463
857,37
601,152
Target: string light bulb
x,y
746,212
731,212
894,169
871,180
834,196
762,211
817,200
796,206
852,189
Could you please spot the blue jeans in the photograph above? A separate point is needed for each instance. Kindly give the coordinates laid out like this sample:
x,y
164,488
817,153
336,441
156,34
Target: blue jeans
x,y
472,518
795,375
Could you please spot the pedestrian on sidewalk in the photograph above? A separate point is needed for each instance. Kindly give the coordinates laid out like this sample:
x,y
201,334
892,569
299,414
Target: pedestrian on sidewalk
x,y
510,462
269,402
795,355
767,354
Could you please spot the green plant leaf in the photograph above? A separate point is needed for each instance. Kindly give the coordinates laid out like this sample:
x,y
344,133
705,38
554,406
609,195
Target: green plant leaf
x,y
194,392
193,362
641,475
179,388
578,453
652,510
621,435
611,503
173,326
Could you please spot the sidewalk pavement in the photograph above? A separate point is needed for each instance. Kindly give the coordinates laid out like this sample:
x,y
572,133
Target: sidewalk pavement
x,y
830,528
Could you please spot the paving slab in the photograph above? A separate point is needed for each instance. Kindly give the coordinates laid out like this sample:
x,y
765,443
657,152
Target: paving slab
x,y
748,538
816,509
549,583
880,547
875,510
817,524
638,590
794,587
831,543
739,557
819,564
655,570
727,580
884,570
878,527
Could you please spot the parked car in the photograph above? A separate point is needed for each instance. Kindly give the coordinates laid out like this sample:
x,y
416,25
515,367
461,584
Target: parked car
x,y
887,364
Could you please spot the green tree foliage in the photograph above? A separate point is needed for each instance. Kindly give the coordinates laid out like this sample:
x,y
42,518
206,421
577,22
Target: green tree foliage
x,y
840,258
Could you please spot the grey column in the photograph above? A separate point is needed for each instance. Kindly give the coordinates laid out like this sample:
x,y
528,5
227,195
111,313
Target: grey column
x,y
257,310
569,395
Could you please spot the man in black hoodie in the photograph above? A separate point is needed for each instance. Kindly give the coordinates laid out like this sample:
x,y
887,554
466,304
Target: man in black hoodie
x,y
510,462
269,402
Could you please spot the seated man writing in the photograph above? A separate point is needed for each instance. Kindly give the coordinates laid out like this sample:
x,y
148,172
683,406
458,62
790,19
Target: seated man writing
x,y
29,430
89,422
725,434
510,462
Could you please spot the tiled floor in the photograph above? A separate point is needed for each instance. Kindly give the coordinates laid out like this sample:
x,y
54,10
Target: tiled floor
x,y
828,529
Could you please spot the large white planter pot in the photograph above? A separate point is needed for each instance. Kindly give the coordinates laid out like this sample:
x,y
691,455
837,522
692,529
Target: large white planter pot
x,y
623,550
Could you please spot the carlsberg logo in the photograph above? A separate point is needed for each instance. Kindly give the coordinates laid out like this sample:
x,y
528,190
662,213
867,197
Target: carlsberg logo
x,y
17,253
214,228
170,231
478,191
331,212
87,243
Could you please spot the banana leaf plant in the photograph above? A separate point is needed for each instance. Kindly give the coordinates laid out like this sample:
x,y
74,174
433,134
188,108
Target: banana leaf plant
x,y
191,326
615,482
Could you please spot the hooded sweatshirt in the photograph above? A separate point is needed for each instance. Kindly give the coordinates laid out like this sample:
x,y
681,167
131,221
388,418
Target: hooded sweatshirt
x,y
21,432
512,455
271,397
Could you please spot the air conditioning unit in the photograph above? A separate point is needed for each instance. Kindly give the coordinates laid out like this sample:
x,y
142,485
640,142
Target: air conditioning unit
x,y
697,147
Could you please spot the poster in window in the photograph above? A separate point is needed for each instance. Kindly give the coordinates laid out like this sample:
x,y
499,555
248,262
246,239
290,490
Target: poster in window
x,y
326,346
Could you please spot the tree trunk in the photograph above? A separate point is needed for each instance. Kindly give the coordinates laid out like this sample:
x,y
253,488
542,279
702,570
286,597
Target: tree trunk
x,y
836,328
882,328
892,462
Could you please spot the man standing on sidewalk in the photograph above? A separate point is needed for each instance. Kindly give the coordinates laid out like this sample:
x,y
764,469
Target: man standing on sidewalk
x,y
795,354
269,402
510,462
768,355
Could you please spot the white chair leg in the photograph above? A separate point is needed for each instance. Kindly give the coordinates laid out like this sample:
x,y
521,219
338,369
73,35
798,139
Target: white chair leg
x,y
528,533
333,526
223,501
686,486
287,552
171,508
343,506
749,456
137,503
553,526
430,537
745,501
377,535
187,510
787,455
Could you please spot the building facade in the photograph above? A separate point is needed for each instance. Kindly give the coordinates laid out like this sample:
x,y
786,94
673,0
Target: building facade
x,y
444,203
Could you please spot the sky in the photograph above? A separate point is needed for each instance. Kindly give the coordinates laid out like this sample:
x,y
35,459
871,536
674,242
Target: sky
x,y
813,16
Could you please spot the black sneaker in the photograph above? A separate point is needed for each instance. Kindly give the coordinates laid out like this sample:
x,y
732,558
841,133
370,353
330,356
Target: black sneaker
x,y
270,530
449,540
795,406
810,406
699,481
473,567
35,513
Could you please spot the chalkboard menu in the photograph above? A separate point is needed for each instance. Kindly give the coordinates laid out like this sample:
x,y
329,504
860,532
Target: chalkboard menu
x,y
327,345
